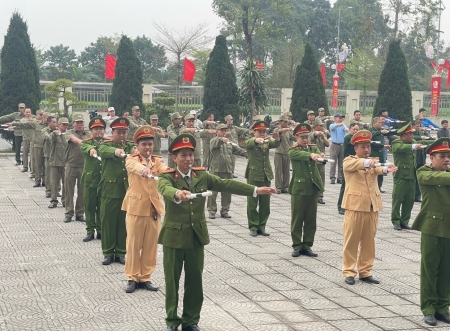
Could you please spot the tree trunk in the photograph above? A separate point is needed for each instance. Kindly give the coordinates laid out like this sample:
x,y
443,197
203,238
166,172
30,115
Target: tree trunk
x,y
177,91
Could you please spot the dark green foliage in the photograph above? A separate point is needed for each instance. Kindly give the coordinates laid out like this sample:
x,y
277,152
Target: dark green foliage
x,y
126,91
394,92
19,78
220,92
163,106
308,92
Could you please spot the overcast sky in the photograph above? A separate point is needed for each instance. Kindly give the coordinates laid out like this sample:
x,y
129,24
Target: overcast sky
x,y
77,23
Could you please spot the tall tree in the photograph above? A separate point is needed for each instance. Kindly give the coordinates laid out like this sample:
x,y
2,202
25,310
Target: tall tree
x,y
394,92
93,56
126,91
200,58
58,60
253,92
308,92
220,92
285,59
153,58
19,78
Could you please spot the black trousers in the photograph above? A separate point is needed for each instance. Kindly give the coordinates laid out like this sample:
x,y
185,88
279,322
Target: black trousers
x,y
17,147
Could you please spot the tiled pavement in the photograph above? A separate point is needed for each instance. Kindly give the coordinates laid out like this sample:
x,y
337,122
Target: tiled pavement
x,y
51,280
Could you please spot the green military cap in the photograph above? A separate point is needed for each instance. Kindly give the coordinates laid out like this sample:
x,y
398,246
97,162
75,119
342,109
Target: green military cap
x,y
97,122
259,125
302,129
189,117
228,117
77,118
283,118
310,112
63,120
405,129
120,123
184,140
21,105
440,145
153,117
316,122
221,126
175,116
39,112
288,113
135,108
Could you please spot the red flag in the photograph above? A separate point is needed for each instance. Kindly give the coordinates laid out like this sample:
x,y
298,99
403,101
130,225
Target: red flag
x,y
446,66
340,66
435,94
323,72
189,70
438,69
259,65
110,66
335,93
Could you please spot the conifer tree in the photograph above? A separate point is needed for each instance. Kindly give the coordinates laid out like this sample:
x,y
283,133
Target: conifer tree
x,y
308,92
126,91
394,92
220,92
19,78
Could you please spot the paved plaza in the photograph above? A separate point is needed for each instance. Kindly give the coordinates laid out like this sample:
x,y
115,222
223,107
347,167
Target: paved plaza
x,y
52,280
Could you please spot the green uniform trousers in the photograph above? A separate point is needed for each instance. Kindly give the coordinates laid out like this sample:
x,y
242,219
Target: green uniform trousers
x,y
341,194
303,220
402,201
257,219
434,275
26,153
57,176
48,178
193,260
38,165
92,210
282,173
32,166
206,154
418,194
321,168
225,197
72,178
114,232
17,147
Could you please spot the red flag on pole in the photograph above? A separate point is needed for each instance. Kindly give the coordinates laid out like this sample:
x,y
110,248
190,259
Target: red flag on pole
x,y
340,66
446,65
189,70
323,72
110,66
435,94
335,93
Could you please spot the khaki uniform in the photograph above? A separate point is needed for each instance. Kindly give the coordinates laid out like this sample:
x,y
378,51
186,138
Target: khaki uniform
x,y
57,162
281,160
318,141
172,133
47,135
236,133
157,140
206,144
198,151
144,207
15,117
135,123
362,202
26,141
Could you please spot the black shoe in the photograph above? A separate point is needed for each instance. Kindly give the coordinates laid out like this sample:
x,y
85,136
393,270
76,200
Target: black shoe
x,y
32,176
342,211
443,318
120,259
43,184
397,227
89,237
37,185
253,233
18,162
339,181
25,169
53,204
382,191
80,218
309,252
107,260
295,253
212,216
99,236
320,201
417,200
369,280
172,328
263,233
350,280
333,181
131,286
48,195
430,320
148,286
405,226
192,328
59,195
226,215
67,219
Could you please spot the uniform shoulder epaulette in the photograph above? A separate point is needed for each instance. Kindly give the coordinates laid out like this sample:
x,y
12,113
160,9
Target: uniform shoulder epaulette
x,y
106,140
88,139
199,168
312,144
158,156
429,166
134,154
168,171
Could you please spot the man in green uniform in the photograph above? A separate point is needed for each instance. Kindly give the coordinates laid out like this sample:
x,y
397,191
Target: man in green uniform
x,y
377,148
234,133
74,169
433,221
90,178
404,150
421,155
281,158
47,135
326,120
112,188
189,121
304,189
57,161
311,117
135,122
173,131
184,232
16,117
26,140
259,173
208,124
318,137
221,165
159,133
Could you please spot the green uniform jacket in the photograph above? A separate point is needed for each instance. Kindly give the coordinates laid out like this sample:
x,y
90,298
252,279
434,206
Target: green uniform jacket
x,y
172,133
73,155
434,215
92,166
286,139
36,127
157,140
405,158
258,165
135,123
349,149
236,132
27,132
221,154
13,117
377,148
114,181
187,218
305,174
46,135
421,154
57,149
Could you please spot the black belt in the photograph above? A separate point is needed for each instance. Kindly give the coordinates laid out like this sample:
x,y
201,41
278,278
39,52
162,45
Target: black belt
x,y
337,144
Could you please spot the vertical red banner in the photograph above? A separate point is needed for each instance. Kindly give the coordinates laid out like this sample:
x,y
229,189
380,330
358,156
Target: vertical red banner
x,y
323,72
110,66
435,94
335,93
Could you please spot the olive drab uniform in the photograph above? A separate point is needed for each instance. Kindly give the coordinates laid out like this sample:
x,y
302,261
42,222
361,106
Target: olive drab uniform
x,y
206,139
90,179
377,149
15,117
172,133
320,144
26,142
259,173
304,188
281,161
157,140
421,158
57,163
135,123
236,133
112,188
47,135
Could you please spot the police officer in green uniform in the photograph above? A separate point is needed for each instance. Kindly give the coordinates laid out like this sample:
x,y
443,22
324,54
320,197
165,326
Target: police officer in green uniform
x,y
159,133
184,232
91,177
16,117
404,150
304,188
112,188
319,138
433,221
173,131
259,173
421,155
281,157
